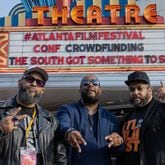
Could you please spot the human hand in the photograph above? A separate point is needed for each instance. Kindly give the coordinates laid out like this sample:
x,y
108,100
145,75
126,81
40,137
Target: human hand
x,y
161,93
75,138
114,139
11,120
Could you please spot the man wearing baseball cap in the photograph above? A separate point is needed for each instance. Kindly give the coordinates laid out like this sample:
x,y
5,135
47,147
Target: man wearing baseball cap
x,y
37,69
143,128
28,132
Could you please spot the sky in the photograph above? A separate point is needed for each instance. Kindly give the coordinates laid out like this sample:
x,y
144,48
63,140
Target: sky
x,y
6,6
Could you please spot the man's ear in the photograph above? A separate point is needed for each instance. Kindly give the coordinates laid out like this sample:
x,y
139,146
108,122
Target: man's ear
x,y
19,82
150,89
43,90
100,91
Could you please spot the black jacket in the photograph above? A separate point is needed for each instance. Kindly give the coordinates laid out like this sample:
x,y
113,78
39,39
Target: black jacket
x,y
152,136
52,150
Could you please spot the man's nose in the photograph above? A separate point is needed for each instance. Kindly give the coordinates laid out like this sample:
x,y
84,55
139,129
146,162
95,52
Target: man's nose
x,y
90,84
135,91
34,83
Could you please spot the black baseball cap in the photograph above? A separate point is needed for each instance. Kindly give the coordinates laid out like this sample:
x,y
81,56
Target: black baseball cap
x,y
137,76
37,69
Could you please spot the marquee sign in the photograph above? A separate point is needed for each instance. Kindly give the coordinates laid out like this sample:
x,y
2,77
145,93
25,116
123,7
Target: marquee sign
x,y
94,14
78,39
107,48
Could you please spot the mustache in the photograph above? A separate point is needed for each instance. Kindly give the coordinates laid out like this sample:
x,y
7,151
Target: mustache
x,y
88,99
137,97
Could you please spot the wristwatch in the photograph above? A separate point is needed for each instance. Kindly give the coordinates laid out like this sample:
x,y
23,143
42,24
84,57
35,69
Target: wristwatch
x,y
68,131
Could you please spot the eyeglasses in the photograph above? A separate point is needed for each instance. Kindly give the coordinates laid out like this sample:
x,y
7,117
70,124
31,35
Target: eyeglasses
x,y
31,79
87,82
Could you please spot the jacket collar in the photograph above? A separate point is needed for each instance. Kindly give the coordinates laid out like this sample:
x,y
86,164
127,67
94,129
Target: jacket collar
x,y
10,103
44,116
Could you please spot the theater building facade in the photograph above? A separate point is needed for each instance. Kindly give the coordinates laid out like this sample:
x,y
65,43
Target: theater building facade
x,y
72,38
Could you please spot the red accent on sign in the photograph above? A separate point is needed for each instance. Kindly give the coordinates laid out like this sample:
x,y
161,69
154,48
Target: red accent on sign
x,y
3,49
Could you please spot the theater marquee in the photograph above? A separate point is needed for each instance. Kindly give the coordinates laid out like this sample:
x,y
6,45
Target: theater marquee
x,y
93,45
75,49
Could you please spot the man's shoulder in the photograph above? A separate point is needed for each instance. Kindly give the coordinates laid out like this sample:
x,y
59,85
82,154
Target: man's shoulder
x,y
69,106
46,113
7,103
106,112
43,110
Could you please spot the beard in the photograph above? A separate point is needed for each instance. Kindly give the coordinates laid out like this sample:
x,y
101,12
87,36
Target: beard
x,y
141,102
26,98
89,100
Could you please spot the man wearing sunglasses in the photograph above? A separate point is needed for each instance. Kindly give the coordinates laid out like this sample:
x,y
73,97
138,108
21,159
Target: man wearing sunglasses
x,y
28,132
90,130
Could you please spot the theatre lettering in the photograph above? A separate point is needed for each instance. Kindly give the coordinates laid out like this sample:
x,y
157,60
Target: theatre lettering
x,y
94,14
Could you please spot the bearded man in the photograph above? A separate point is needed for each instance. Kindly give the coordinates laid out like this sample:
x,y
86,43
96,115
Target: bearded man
x,y
90,131
143,127
28,131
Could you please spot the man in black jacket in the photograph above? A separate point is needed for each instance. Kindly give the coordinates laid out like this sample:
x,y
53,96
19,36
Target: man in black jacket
x,y
27,131
143,128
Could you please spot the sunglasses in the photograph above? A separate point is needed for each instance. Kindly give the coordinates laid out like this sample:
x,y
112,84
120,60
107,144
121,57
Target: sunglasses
x,y
31,79
87,82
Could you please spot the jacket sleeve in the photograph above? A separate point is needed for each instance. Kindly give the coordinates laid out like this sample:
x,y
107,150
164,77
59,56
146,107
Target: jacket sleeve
x,y
116,128
60,150
60,154
65,119
2,134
